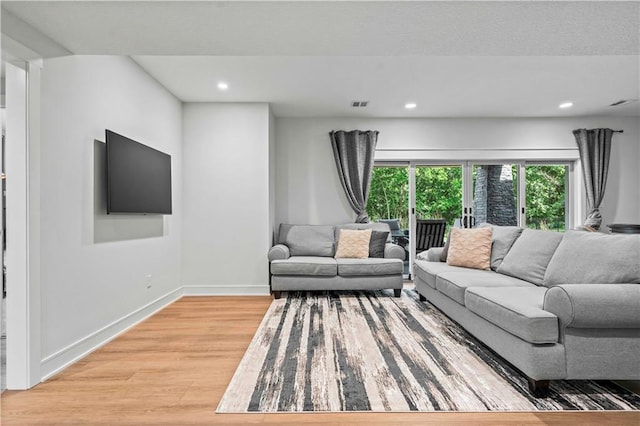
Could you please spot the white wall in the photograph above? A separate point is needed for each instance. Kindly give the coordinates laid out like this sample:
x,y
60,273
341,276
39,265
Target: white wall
x,y
308,189
92,289
227,225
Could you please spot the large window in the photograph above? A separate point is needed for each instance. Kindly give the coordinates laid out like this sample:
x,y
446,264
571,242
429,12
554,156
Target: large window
x,y
439,192
546,196
495,194
389,194
520,193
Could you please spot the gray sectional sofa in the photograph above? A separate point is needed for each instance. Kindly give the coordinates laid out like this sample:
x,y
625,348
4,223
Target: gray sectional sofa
x,y
303,260
556,306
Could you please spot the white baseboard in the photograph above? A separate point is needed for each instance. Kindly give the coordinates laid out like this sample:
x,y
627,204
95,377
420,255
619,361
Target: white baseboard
x,y
58,361
226,290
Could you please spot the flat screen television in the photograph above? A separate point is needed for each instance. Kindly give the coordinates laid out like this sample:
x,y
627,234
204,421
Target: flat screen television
x,y
138,177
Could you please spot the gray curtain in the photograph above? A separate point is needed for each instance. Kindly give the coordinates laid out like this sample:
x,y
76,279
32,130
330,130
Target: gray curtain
x,y
595,149
354,152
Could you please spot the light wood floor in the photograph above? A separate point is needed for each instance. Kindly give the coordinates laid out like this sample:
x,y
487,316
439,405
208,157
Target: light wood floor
x,y
174,368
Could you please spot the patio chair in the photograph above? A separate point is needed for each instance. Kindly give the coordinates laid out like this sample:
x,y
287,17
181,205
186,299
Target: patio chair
x,y
429,233
398,235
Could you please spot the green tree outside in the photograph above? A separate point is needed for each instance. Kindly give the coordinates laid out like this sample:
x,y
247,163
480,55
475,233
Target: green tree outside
x,y
546,195
439,194
389,194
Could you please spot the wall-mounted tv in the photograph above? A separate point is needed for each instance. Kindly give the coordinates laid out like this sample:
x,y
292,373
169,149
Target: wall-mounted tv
x,y
138,177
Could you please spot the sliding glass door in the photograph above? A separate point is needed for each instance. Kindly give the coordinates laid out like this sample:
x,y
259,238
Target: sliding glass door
x,y
465,194
389,202
493,196
547,196
389,193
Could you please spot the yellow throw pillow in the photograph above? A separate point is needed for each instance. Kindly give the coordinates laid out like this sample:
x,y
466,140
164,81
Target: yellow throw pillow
x,y
353,243
470,248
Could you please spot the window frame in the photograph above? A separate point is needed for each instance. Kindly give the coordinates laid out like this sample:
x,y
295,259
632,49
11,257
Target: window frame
x,y
572,201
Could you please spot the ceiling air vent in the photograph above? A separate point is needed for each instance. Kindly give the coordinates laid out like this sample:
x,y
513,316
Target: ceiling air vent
x,y
623,102
359,104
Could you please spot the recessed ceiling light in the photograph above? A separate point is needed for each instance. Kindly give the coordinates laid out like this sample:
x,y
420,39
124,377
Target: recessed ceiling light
x,y
223,86
565,105
410,105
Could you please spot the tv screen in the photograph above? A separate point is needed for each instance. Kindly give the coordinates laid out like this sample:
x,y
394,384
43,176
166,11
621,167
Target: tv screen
x,y
138,177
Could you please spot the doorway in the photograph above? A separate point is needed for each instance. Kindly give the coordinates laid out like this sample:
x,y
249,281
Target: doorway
x,y
492,195
22,303
466,193
389,202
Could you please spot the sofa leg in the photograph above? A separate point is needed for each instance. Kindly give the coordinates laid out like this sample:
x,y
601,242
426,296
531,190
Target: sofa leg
x,y
422,298
539,388
397,292
276,294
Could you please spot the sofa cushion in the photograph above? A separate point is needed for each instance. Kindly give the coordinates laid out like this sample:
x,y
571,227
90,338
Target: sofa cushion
x,y
377,243
455,283
503,238
530,255
308,240
353,243
595,258
305,265
517,310
372,266
428,271
470,248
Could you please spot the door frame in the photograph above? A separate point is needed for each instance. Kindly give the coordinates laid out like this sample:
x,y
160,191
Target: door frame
x,y
23,225
412,199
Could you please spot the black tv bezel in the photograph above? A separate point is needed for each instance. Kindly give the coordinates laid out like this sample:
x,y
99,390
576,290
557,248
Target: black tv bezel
x,y
109,185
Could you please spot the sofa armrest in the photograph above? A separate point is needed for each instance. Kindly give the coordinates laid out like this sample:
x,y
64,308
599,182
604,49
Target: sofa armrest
x,y
393,251
432,255
594,305
279,251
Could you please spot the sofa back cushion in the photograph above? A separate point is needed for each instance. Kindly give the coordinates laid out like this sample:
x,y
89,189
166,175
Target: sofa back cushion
x,y
308,240
595,258
503,239
530,255
375,226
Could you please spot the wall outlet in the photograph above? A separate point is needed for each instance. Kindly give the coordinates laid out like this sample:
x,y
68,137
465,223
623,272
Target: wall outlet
x,y
148,281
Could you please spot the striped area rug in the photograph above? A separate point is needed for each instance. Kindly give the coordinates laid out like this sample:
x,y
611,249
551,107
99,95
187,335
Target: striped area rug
x,y
369,351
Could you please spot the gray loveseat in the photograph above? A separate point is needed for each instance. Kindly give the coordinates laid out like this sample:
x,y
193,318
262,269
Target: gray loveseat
x,y
556,306
303,260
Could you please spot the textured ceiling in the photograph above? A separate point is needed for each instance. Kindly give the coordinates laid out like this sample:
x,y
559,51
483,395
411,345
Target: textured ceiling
x,y
336,27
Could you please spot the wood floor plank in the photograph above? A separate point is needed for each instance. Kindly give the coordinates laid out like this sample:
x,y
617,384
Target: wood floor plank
x,y
173,369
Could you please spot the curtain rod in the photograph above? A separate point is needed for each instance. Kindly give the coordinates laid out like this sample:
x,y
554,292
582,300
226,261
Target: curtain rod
x,y
618,131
